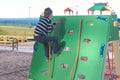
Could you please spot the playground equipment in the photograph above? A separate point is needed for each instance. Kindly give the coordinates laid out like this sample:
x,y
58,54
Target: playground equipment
x,y
68,10
20,38
89,41
99,6
84,54
12,42
112,60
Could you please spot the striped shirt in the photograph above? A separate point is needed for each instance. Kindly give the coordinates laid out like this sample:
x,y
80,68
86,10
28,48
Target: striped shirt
x,y
44,26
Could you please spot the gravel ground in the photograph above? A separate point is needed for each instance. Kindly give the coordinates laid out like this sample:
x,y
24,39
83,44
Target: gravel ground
x,y
14,65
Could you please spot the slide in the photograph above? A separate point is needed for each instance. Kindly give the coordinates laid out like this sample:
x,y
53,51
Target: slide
x,y
85,39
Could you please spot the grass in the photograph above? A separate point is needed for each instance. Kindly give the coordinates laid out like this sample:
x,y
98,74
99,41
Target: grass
x,y
16,30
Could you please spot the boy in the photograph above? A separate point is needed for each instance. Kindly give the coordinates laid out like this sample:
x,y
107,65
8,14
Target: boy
x,y
42,29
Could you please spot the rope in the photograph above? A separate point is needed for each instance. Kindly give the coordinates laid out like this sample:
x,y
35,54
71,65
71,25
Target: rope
x,y
76,60
49,62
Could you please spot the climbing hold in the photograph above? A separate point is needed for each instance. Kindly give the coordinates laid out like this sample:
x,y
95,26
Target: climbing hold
x,y
81,76
84,58
35,46
45,72
63,65
115,24
66,48
70,31
86,40
102,49
102,18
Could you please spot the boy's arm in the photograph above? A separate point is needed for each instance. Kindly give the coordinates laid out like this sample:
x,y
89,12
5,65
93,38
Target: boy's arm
x,y
57,23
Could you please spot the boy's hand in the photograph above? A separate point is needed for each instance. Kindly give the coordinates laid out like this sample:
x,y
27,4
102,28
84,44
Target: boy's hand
x,y
57,23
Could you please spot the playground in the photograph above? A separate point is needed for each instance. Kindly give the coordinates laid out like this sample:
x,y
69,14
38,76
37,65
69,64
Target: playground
x,y
91,49
89,41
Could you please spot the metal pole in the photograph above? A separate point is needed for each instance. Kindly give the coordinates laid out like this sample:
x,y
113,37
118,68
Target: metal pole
x,y
29,11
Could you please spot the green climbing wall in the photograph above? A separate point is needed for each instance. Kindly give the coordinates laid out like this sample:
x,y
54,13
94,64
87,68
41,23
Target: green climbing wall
x,y
88,34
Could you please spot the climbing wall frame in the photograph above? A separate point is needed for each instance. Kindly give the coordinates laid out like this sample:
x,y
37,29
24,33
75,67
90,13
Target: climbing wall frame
x,y
85,39
117,58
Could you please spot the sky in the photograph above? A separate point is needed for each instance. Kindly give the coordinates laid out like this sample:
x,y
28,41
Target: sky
x,y
33,8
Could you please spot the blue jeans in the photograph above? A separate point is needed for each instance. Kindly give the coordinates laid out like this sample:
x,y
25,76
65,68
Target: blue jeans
x,y
45,40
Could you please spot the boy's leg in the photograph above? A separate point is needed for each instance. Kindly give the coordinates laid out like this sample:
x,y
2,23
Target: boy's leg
x,y
54,41
43,40
46,47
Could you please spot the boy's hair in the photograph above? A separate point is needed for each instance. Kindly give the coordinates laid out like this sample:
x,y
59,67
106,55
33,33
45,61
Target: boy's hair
x,y
47,12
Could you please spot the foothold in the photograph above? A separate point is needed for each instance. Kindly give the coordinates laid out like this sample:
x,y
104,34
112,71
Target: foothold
x,y
45,72
66,49
63,65
90,23
102,18
87,40
70,31
81,76
84,58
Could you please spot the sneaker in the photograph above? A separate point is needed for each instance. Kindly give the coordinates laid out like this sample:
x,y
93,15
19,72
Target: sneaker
x,y
59,51
62,44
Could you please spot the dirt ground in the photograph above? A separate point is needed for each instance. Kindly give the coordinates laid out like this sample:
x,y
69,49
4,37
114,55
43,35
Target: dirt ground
x,y
14,65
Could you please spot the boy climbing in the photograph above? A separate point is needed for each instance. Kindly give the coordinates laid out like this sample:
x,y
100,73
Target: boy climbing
x,y
43,27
